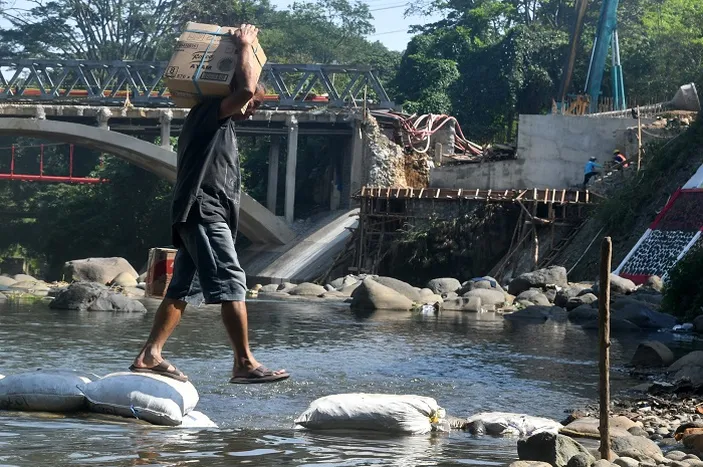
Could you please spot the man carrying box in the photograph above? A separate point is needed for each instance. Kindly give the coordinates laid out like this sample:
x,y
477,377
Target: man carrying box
x,y
205,214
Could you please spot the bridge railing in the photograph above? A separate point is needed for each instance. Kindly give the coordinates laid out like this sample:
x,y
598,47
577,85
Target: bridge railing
x,y
113,82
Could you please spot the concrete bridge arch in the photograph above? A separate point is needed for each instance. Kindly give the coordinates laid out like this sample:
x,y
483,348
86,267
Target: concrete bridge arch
x,y
256,222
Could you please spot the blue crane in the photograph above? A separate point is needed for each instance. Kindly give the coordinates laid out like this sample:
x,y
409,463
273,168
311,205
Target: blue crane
x,y
606,39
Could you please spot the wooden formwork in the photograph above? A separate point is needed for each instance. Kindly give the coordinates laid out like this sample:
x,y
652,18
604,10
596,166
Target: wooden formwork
x,y
384,211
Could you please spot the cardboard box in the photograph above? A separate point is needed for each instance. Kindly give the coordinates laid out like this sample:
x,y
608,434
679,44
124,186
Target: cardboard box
x,y
159,271
203,64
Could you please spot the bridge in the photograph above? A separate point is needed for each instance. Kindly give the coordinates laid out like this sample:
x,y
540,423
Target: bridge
x,y
106,105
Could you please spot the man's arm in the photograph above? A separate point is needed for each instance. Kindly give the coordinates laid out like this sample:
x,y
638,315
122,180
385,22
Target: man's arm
x,y
244,75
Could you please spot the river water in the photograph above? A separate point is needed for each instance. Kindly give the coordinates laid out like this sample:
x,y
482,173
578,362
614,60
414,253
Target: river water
x,y
468,362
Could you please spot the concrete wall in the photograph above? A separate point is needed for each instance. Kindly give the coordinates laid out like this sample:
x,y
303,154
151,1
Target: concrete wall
x,y
552,151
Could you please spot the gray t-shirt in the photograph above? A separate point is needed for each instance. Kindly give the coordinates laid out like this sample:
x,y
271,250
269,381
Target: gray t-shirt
x,y
208,179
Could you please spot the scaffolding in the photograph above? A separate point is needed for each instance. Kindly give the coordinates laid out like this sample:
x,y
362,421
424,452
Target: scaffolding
x,y
386,211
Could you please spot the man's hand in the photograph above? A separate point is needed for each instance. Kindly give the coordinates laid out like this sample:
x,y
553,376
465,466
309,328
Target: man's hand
x,y
245,35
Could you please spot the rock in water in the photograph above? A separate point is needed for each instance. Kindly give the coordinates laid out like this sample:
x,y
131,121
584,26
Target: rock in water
x,y
374,296
485,282
487,296
535,297
571,291
689,367
6,281
529,464
401,287
637,447
556,450
581,460
100,270
553,275
89,296
644,317
124,279
585,299
617,325
444,285
652,354
626,462
308,289
618,285
582,314
539,313
269,288
472,304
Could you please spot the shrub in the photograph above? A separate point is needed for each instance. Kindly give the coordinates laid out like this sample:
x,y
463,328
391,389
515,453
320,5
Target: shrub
x,y
683,294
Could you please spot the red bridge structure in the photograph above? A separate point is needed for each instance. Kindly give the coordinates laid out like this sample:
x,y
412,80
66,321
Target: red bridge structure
x,y
41,177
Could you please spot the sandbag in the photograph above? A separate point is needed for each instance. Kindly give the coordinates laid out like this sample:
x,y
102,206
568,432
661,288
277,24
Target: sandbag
x,y
374,412
195,419
505,424
58,390
154,398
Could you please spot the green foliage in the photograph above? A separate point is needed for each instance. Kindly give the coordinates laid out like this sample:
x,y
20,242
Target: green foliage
x,y
683,295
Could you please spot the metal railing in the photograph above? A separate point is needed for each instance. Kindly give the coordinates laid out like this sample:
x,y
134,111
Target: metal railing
x,y
113,82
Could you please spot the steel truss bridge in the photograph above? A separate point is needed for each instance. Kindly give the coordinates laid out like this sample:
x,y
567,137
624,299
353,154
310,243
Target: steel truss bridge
x,y
112,83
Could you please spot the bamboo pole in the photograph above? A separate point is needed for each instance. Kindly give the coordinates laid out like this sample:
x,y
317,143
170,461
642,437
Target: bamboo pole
x,y
639,140
606,256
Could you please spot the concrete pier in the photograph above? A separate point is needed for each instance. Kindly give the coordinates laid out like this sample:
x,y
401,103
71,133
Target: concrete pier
x,y
272,187
291,165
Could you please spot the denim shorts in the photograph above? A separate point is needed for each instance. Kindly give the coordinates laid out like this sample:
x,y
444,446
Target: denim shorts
x,y
206,268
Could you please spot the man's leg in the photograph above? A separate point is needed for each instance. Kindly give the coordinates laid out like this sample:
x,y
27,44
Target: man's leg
x,y
223,281
167,318
184,287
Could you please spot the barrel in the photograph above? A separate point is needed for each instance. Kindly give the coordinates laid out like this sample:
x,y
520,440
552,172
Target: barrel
x,y
159,271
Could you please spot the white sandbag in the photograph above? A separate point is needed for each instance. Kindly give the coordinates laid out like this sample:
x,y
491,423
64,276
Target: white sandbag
x,y
505,424
156,399
57,390
373,412
196,419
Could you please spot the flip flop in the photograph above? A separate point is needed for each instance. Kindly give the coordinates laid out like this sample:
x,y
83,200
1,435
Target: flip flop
x,y
162,369
260,374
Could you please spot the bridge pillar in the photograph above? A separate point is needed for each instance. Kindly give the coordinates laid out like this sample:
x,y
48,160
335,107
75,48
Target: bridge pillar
x,y
165,120
272,188
291,164
104,115
355,154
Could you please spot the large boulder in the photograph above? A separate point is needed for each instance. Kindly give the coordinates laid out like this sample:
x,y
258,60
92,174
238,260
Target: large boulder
x,y
427,296
444,285
567,293
25,278
308,289
100,270
644,317
34,287
401,287
534,296
637,447
617,325
6,281
124,279
556,450
90,296
539,313
582,314
348,290
618,285
286,287
472,304
488,296
652,354
375,296
553,275
688,368
590,427
485,282
585,299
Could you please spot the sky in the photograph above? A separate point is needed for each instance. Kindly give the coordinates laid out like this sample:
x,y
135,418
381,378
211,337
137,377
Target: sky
x,y
391,27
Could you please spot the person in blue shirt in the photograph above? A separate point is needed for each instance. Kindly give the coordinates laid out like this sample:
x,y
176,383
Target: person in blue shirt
x,y
590,170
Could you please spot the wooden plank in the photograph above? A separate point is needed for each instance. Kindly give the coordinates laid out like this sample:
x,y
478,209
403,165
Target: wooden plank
x,y
363,190
476,195
438,191
554,194
412,192
534,195
563,196
459,193
522,193
388,192
577,196
420,195
488,195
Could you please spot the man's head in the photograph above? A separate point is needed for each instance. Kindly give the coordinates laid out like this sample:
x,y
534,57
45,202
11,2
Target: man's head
x,y
592,159
616,152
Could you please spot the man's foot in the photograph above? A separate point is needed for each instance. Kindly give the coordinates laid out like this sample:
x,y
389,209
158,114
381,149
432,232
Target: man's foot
x,y
260,374
163,368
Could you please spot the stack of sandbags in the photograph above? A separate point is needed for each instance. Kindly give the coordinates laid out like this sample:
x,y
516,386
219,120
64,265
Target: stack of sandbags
x,y
374,412
56,390
153,398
